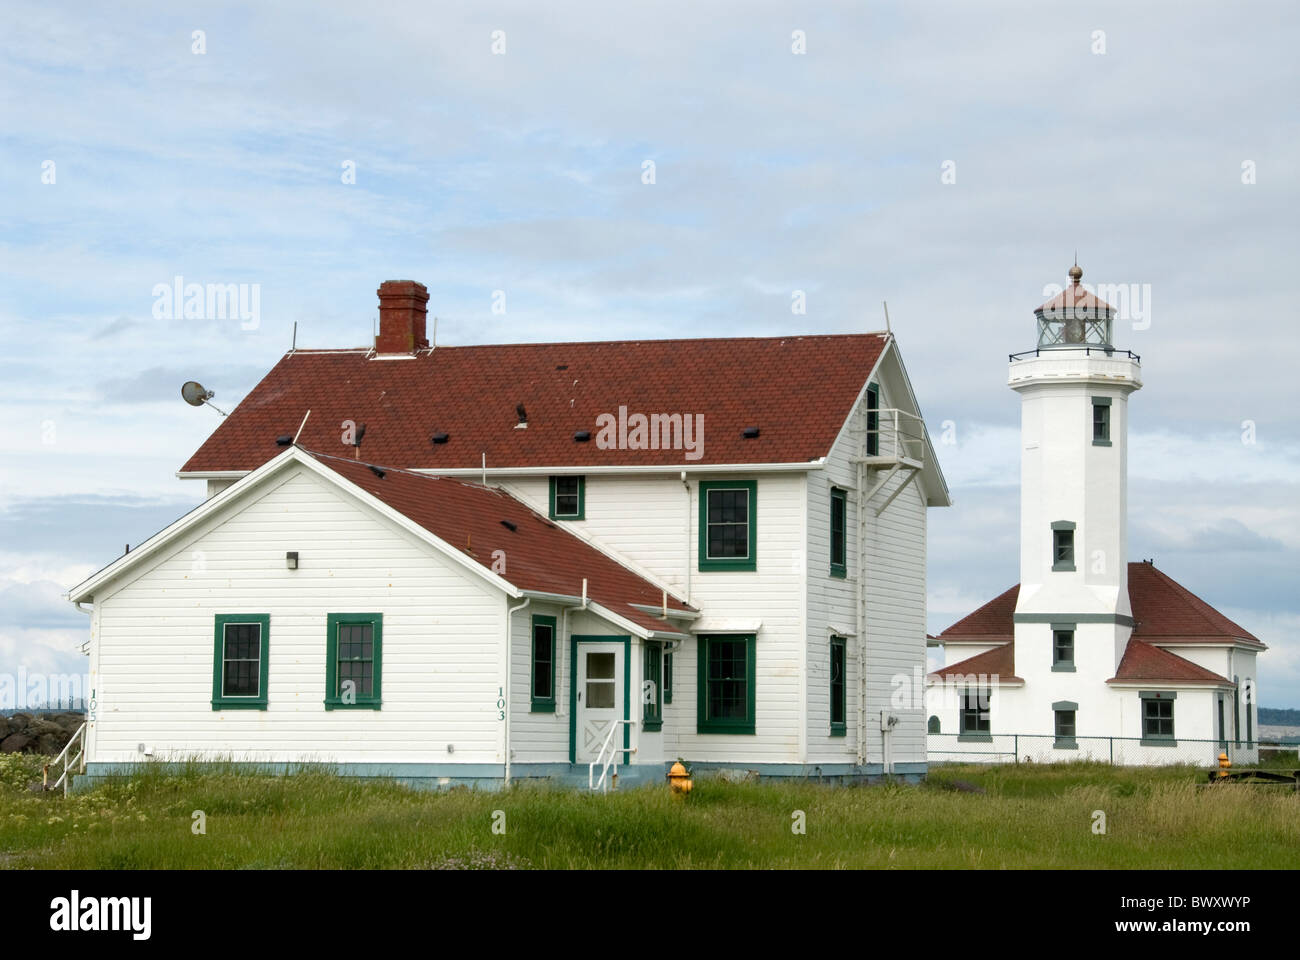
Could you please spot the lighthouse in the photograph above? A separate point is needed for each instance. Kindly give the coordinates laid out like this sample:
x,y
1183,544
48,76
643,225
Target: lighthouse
x,y
1074,388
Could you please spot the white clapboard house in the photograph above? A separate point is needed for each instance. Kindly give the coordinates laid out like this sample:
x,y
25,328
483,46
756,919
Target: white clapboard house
x,y
481,564
1089,656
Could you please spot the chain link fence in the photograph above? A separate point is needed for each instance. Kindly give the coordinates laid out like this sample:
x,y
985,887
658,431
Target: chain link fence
x,y
1124,751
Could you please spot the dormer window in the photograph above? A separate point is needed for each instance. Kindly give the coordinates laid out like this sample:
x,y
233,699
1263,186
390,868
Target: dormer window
x,y
568,497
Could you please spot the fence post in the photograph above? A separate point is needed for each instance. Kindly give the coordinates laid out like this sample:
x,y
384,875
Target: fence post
x,y
1016,747
1112,750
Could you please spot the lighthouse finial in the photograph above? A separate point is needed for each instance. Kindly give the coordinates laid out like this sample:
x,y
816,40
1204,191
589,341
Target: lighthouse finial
x,y
1076,272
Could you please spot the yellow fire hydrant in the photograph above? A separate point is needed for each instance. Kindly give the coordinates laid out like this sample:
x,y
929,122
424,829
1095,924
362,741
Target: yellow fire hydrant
x,y
1224,764
678,780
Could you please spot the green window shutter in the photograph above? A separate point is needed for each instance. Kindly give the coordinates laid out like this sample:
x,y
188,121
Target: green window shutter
x,y
652,687
241,644
542,665
668,678
568,498
839,689
725,684
728,524
839,532
354,644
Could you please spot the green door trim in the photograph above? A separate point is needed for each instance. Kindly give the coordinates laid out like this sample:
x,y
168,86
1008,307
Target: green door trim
x,y
574,640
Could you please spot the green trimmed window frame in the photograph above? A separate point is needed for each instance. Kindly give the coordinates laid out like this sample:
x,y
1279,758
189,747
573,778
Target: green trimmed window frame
x,y
1158,718
652,718
873,420
1063,545
231,659
353,649
975,718
1064,713
1063,647
1101,421
839,687
568,498
839,533
725,685
668,678
541,664
715,502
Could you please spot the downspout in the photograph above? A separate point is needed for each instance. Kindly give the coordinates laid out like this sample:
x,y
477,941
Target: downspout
x,y
505,733
687,527
862,592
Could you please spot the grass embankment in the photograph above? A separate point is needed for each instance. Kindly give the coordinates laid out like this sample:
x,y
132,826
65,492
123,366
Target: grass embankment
x,y
1026,816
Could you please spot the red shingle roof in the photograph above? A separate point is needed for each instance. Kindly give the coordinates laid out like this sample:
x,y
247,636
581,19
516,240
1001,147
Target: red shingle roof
x,y
1144,662
797,390
1076,296
999,662
539,555
1164,611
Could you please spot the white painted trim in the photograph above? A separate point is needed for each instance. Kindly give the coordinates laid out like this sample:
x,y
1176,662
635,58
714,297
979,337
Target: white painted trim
x,y
503,472
212,474
726,625
85,589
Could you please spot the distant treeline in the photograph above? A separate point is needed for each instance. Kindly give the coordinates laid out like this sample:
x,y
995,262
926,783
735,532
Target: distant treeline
x,y
1279,718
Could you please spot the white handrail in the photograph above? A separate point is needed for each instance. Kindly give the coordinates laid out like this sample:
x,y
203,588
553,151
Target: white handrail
x,y
78,761
606,762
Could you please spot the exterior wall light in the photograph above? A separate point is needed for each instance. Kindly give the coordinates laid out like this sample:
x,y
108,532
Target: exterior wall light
x,y
291,559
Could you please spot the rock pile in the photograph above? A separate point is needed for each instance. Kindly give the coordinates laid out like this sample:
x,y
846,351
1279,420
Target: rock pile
x,y
38,733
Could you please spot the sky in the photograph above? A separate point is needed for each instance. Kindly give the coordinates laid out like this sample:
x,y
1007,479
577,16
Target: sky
x,y
949,158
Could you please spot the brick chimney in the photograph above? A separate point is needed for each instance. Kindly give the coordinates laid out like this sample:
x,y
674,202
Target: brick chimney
x,y
402,308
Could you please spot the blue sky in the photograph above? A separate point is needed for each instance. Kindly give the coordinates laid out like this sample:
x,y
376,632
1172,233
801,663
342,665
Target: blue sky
x,y
774,172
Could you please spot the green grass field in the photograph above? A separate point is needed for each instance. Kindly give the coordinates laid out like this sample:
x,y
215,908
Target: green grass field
x,y
1027,817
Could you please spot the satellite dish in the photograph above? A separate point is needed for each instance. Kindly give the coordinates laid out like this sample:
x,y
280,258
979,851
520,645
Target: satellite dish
x,y
195,394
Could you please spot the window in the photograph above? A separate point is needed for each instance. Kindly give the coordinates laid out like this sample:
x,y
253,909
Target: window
x,y
1063,647
353,662
668,678
543,665
1223,732
839,540
1062,545
728,525
239,661
568,498
933,725
1101,421
1157,718
839,689
726,684
873,420
651,685
974,719
1064,711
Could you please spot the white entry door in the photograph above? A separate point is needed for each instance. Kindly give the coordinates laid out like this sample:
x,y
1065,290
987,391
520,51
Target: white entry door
x,y
599,696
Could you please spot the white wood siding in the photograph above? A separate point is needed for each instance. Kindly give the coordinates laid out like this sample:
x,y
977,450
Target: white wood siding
x,y
443,640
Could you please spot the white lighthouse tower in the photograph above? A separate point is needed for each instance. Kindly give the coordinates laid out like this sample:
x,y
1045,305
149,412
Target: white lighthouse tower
x,y
1073,615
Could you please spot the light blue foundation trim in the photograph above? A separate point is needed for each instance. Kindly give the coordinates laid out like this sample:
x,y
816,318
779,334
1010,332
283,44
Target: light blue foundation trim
x,y
490,776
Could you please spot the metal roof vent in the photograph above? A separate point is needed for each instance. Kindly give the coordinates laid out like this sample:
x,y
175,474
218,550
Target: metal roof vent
x,y
582,436
509,526
376,471
283,440
749,433
441,438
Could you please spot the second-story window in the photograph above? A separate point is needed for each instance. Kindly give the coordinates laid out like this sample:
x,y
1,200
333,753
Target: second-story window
x,y
873,420
1062,545
1101,421
728,525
